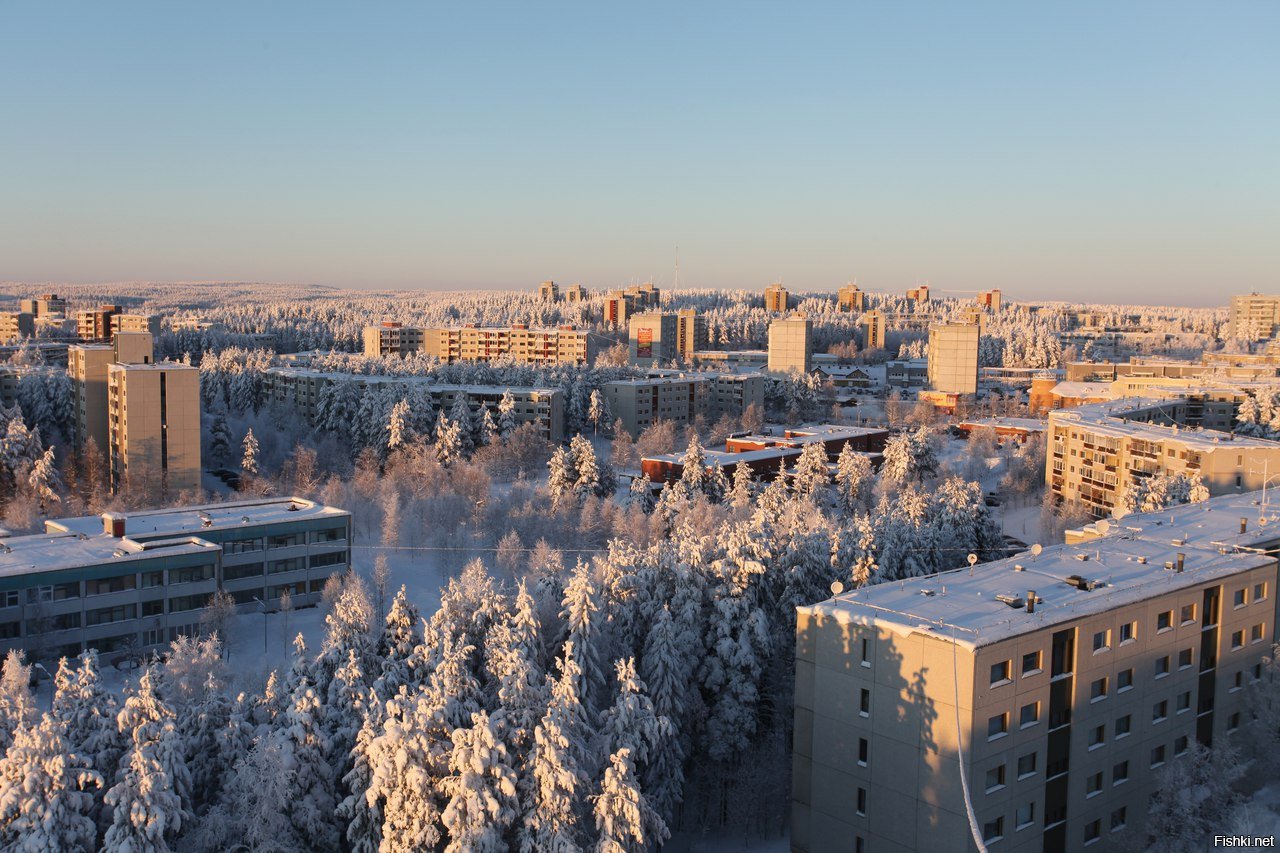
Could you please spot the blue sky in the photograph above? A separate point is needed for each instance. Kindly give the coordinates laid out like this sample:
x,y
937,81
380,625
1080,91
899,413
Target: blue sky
x,y
1113,151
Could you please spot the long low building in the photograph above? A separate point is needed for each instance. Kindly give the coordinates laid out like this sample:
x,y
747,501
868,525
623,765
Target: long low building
x,y
1034,698
1094,452
519,343
137,580
666,395
302,387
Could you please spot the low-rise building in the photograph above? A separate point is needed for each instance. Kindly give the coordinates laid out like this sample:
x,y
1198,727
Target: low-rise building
x,y
682,397
519,343
774,449
907,373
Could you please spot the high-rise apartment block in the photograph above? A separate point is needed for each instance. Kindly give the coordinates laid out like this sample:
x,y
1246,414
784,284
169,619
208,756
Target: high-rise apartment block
x,y
851,298
15,325
990,299
94,325
918,294
1040,695
691,333
791,344
653,339
1095,452
875,330
563,345
776,298
549,291
153,426
44,305
953,358
87,365
619,305
1254,317
575,293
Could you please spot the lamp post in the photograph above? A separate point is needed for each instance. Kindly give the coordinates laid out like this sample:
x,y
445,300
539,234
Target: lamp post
x,y
40,666
263,605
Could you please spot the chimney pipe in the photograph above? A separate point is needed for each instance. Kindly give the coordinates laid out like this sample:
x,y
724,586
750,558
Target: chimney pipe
x,y
1181,559
1244,525
1031,601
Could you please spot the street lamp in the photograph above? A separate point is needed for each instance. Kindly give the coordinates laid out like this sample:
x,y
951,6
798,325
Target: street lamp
x,y
40,666
263,605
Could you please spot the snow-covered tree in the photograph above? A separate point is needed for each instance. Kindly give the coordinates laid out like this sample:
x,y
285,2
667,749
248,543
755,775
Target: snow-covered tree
x,y
854,480
249,459
625,820
506,414
399,430
811,477
449,443
909,457
220,439
481,788
598,410
46,791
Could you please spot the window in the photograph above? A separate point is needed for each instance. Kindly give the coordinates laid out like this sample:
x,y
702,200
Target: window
x,y
9,598
859,844
331,534
1120,773
1093,784
1233,722
1259,592
10,630
1029,715
862,801
866,652
1180,745
187,602
1160,711
1237,640
153,608
235,573
102,586
105,615
1184,658
1255,633
1128,632
1123,725
293,564
1031,663
1240,597
191,574
993,830
1026,816
1098,690
1188,614
997,726
286,540
1184,701
864,750
1164,621
995,778
1102,641
1157,756
240,546
1000,673
1162,666
1124,680
864,703
1118,819
152,579
1238,682
1097,736
336,558
1026,765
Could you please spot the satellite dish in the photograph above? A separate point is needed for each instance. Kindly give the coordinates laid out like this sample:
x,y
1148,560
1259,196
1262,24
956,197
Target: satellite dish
x,y
1036,549
972,558
1104,527
836,587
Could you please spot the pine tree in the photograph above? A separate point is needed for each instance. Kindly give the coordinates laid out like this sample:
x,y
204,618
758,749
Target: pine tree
x,y
45,480
743,489
640,494
249,461
506,414
46,791
583,620
449,444
811,478
17,706
625,821
563,476
220,439
631,723
854,478
406,761
597,410
481,789
304,748
460,414
399,431
694,467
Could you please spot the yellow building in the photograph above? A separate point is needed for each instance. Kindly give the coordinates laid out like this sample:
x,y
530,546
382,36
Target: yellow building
x,y
87,366
851,298
776,298
791,344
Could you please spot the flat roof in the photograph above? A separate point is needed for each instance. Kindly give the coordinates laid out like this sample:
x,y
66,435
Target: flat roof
x,y
49,552
191,519
413,379
1028,424
1108,419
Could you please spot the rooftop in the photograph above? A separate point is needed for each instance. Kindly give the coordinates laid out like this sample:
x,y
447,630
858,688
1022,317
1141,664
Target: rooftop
x,y
194,519
46,552
1108,419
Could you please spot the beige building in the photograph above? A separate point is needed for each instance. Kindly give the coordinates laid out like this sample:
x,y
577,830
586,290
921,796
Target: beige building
x,y
953,358
619,305
1051,688
1254,317
87,365
549,291
563,345
1095,451
875,332
15,325
149,323
851,298
575,293
918,294
791,344
989,299
44,305
653,339
95,325
691,333
776,298
153,425
682,397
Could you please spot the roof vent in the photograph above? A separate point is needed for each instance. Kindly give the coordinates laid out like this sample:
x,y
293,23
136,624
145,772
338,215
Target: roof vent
x,y
927,592
1244,525
1142,559
1084,558
1079,582
293,507
1178,543
1018,567
1009,599
119,553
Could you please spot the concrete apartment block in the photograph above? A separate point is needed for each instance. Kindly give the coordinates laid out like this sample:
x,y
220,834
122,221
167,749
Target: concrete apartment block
x,y
874,330
1254,317
15,325
153,424
776,299
953,358
691,333
653,339
850,298
791,345
1058,684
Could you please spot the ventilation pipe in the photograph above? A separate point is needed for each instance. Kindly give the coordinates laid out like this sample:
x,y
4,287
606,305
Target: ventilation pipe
x,y
1244,525
1181,559
1031,601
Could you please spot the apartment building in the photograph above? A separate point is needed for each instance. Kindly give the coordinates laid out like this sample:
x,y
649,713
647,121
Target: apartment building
x,y
135,581
1095,451
392,339
653,339
15,325
875,333
1209,367
1043,692
791,344
1254,317
563,345
907,373
989,299
94,325
55,326
575,293
850,298
149,323
918,294
153,425
953,358
44,305
619,305
549,291
301,389
87,365
776,298
682,397
691,333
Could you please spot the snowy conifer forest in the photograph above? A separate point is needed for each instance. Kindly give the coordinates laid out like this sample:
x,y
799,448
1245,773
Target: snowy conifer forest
x,y
606,665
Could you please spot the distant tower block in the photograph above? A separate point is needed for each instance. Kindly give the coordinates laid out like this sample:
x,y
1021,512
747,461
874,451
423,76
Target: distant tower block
x,y
875,333
775,298
989,299
791,344
852,299
548,291
919,294
574,293
691,333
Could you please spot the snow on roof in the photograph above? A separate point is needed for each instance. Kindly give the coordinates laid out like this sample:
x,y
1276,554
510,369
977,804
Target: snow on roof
x,y
1108,419
1084,390
47,552
726,458
191,519
1028,424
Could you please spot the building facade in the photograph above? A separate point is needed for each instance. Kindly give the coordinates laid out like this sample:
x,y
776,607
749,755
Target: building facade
x,y
953,358
691,333
875,333
95,325
549,291
15,325
850,298
989,299
563,345
682,397
153,425
87,366
1254,317
653,339
776,299
791,344
44,305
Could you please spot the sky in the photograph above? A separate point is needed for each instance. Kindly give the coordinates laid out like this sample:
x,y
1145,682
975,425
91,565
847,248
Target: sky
x,y
1122,152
